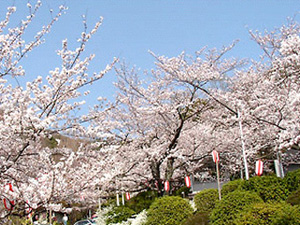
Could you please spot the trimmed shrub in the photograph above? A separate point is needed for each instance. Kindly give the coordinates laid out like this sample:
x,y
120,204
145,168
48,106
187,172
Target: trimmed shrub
x,y
271,213
231,205
292,180
119,214
169,210
294,198
20,221
198,219
142,201
184,189
267,187
231,186
206,200
290,215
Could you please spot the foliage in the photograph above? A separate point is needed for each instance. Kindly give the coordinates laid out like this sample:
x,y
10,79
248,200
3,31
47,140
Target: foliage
x,y
231,205
152,128
267,187
119,214
294,198
183,189
198,219
205,200
271,213
169,210
231,186
292,180
142,201
19,221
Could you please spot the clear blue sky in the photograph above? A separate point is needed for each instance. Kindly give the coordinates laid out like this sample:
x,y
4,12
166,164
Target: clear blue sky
x,y
166,27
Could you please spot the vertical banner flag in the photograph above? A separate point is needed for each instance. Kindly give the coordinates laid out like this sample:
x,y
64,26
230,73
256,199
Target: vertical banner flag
x,y
216,160
215,156
187,181
259,167
127,196
8,204
123,200
117,199
166,186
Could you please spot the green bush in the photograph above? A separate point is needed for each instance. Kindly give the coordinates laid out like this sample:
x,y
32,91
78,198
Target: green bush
x,y
292,180
231,186
119,214
205,200
183,189
169,210
294,198
271,213
231,205
142,201
267,187
15,220
198,219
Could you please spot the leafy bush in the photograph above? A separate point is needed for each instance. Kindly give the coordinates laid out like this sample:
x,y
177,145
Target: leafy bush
x,y
183,189
20,221
273,213
119,214
169,210
294,198
231,205
231,186
142,201
267,187
205,200
292,180
198,219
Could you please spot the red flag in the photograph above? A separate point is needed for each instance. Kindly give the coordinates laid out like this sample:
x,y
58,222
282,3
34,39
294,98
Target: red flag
x,y
9,204
259,167
127,196
166,186
215,156
187,181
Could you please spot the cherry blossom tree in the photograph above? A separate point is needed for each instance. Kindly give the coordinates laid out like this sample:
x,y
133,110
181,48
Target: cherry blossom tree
x,y
267,94
161,121
191,106
33,113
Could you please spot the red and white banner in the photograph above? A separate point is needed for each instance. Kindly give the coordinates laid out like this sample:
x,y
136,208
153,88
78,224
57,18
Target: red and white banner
x,y
28,210
8,204
127,196
215,156
259,167
167,185
187,181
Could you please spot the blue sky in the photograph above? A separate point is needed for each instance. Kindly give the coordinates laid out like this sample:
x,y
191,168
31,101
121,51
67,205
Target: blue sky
x,y
166,27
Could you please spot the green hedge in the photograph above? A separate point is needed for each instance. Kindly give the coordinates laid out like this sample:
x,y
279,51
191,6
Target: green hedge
x,y
267,187
169,210
294,198
206,200
184,189
231,205
271,213
119,214
142,201
231,186
198,219
292,180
